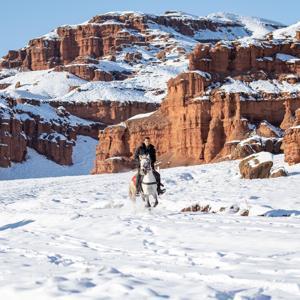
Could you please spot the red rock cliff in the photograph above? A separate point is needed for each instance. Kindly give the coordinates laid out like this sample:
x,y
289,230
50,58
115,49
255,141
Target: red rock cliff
x,y
291,142
22,127
199,121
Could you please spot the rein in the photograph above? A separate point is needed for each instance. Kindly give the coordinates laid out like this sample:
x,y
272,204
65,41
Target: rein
x,y
149,183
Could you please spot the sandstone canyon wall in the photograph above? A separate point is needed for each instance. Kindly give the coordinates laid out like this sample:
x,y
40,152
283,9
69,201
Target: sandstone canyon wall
x,y
54,137
202,121
292,141
197,122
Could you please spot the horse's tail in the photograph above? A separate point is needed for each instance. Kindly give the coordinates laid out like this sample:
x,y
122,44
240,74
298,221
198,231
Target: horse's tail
x,y
132,191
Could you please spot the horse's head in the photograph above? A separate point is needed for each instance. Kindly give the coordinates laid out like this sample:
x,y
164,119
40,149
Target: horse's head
x,y
145,164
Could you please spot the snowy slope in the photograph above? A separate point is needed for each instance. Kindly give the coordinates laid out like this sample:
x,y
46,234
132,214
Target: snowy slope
x,y
80,238
253,26
150,85
41,85
259,86
288,32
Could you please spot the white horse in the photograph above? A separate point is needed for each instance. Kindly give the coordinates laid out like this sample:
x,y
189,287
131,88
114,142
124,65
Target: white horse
x,y
149,184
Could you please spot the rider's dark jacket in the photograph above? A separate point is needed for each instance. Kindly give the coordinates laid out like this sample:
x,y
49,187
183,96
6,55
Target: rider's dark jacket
x,y
143,149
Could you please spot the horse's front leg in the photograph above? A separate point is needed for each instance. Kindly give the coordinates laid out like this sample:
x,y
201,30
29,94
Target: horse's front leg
x,y
147,201
156,200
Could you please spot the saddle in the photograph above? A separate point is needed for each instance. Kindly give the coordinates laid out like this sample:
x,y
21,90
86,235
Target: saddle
x,y
133,179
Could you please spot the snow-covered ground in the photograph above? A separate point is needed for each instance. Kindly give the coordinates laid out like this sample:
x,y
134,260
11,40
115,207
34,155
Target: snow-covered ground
x,y
81,238
41,85
259,86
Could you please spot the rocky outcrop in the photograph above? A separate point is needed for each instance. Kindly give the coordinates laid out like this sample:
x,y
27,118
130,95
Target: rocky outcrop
x,y
12,140
90,72
265,60
56,147
206,208
192,128
26,123
4,86
254,144
291,141
199,124
292,145
107,35
107,112
101,36
256,166
279,172
267,130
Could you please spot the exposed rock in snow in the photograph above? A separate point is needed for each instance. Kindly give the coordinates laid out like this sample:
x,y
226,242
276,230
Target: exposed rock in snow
x,y
278,172
256,165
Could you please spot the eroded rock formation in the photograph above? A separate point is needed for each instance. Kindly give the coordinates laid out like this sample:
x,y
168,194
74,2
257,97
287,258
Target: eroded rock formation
x,y
54,137
255,61
291,142
77,48
201,121
107,112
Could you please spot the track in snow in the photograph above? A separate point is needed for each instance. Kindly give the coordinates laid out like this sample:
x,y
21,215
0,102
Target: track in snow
x,y
80,238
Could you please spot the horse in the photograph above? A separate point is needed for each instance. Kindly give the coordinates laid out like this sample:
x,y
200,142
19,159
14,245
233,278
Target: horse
x,y
149,184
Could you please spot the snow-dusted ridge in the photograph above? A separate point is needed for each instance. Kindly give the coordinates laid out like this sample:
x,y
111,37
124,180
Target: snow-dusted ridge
x,y
288,32
148,78
239,26
259,86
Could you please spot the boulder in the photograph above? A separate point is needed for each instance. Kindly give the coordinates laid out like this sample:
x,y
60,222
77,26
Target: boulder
x,y
278,172
267,130
196,208
256,166
253,145
133,57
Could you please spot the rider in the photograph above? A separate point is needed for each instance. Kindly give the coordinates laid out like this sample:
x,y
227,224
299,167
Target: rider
x,y
144,149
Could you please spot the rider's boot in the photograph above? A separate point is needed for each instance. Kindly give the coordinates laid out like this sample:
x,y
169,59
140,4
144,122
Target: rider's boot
x,y
160,191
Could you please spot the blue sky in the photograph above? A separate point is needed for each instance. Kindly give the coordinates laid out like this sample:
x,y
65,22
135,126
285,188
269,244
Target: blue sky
x,y
23,20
